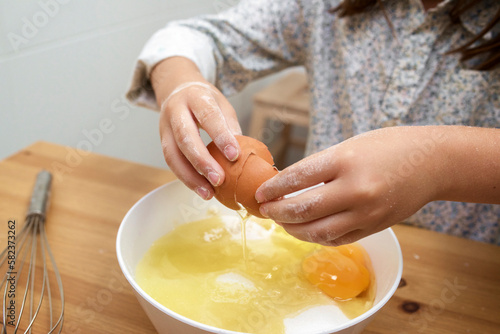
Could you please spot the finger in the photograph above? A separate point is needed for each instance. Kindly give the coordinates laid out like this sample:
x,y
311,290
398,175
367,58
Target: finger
x,y
308,172
183,169
182,128
318,202
347,238
322,230
209,115
334,230
229,114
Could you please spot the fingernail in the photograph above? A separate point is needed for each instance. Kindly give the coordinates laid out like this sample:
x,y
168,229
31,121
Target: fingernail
x,y
259,197
231,152
214,178
203,193
263,211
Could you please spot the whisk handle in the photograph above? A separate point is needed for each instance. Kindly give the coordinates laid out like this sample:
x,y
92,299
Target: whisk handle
x,y
40,194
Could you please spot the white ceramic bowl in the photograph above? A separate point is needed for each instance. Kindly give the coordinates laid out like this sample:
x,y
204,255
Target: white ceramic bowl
x,y
172,204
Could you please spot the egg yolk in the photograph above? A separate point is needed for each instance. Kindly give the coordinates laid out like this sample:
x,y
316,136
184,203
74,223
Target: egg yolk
x,y
340,272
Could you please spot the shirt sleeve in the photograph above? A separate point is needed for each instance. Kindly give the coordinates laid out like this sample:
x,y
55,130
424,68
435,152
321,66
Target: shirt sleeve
x,y
251,40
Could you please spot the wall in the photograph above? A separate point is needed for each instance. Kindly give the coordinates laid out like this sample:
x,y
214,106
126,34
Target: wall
x,y
65,66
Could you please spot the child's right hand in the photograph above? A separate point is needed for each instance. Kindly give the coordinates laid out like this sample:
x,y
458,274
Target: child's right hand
x,y
188,102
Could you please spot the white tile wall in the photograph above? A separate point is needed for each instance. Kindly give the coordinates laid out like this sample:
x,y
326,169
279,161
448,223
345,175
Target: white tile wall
x,y
65,66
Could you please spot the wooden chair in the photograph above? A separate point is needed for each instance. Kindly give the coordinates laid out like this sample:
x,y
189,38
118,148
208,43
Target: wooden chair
x,y
277,108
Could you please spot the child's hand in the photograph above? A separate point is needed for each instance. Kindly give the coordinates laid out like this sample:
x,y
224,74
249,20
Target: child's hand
x,y
190,104
372,181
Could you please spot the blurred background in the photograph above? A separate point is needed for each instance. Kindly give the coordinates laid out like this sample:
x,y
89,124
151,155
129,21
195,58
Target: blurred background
x,y
65,67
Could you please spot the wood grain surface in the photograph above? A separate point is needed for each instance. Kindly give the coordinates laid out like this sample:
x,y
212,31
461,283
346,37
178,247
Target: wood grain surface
x,y
450,285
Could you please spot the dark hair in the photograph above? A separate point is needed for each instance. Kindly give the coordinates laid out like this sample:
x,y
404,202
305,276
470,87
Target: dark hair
x,y
489,51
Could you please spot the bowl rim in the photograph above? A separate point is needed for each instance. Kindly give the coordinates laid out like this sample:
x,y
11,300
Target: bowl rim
x,y
375,308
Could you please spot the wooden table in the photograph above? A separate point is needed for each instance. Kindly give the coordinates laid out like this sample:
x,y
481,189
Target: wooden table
x,y
450,285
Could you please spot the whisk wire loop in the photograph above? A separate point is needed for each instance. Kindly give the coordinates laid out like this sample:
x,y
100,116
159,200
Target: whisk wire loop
x,y
20,258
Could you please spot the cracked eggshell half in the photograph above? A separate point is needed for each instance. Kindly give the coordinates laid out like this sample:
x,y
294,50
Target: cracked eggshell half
x,y
244,176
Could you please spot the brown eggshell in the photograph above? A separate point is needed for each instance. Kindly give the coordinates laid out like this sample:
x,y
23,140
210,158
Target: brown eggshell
x,y
232,170
255,164
255,172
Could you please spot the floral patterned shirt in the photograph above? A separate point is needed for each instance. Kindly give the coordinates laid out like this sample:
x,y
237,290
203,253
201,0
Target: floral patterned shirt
x,y
363,75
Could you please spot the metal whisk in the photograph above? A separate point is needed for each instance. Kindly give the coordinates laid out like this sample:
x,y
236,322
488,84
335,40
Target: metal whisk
x,y
27,283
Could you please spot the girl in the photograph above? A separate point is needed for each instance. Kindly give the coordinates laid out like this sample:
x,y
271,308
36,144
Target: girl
x,y
405,109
